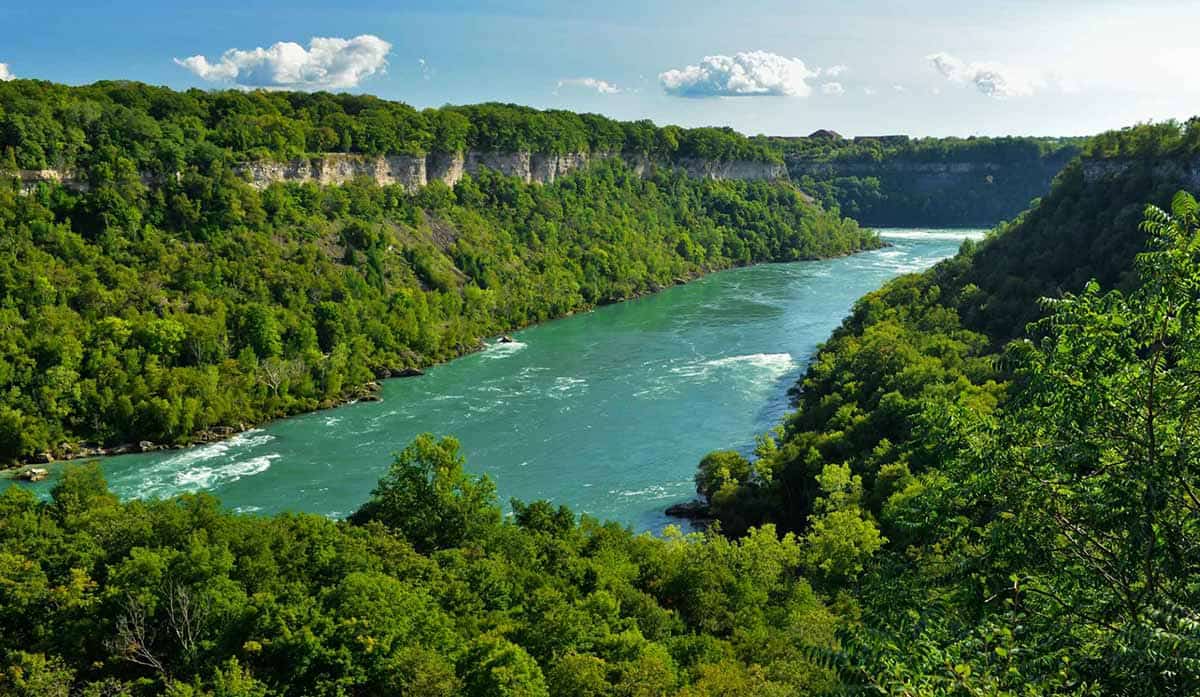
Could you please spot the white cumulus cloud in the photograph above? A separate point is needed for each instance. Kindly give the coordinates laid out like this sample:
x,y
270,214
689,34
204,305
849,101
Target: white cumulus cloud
x,y
591,83
834,70
749,74
993,79
5,73
832,88
327,63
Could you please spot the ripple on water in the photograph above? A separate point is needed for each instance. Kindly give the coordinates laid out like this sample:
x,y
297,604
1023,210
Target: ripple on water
x,y
564,387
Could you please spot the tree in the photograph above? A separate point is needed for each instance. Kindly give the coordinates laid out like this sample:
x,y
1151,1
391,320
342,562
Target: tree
x,y
496,667
1105,455
428,498
842,537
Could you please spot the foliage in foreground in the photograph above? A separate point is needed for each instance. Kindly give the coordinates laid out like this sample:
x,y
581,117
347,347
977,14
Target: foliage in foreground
x,y
426,592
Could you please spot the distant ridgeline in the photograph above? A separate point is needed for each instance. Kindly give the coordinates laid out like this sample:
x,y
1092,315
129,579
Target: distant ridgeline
x,y
945,182
61,134
188,267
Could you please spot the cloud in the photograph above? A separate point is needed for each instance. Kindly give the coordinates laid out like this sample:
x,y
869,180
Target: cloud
x,y
426,70
869,91
601,86
899,88
327,63
751,74
833,70
832,88
5,73
993,79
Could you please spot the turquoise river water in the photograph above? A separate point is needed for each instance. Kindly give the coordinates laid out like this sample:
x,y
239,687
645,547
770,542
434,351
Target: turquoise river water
x,y
607,412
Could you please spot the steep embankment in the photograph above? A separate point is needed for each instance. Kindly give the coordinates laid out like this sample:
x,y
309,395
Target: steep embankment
x,y
179,264
1019,516
179,311
938,335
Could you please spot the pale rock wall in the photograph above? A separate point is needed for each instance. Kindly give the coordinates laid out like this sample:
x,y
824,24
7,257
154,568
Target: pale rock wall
x,y
415,171
1186,172
446,166
745,170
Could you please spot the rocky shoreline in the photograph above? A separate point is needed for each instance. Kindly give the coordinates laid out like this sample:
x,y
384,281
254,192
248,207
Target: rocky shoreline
x,y
695,510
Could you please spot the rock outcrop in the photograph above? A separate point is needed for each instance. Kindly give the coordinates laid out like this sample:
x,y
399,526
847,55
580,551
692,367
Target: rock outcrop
x,y
1184,171
415,171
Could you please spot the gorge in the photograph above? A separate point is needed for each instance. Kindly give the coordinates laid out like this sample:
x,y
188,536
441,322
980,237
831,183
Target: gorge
x,y
672,376
937,461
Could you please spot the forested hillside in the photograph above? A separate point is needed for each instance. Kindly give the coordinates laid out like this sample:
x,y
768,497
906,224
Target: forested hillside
x,y
135,313
162,131
989,485
1020,515
939,182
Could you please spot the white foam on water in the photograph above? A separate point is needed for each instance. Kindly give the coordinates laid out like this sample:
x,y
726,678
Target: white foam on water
x,y
691,370
211,451
189,469
931,234
652,492
247,509
209,477
502,349
774,364
332,420
564,386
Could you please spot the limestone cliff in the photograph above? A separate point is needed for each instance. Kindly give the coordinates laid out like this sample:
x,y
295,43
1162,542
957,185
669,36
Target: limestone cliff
x,y
415,171
905,191
1184,171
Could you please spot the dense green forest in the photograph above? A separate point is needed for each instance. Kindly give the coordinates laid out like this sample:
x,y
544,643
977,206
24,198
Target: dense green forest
x,y
163,131
1015,477
134,313
1042,544
940,182
426,592
990,484
199,304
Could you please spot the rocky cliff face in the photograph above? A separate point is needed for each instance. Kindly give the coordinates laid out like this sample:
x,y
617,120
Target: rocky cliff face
x,y
940,177
1184,171
415,171
744,170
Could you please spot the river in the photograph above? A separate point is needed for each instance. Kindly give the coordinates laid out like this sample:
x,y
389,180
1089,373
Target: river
x,y
607,412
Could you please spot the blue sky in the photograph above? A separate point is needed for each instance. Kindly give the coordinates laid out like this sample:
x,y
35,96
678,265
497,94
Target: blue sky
x,y
857,66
